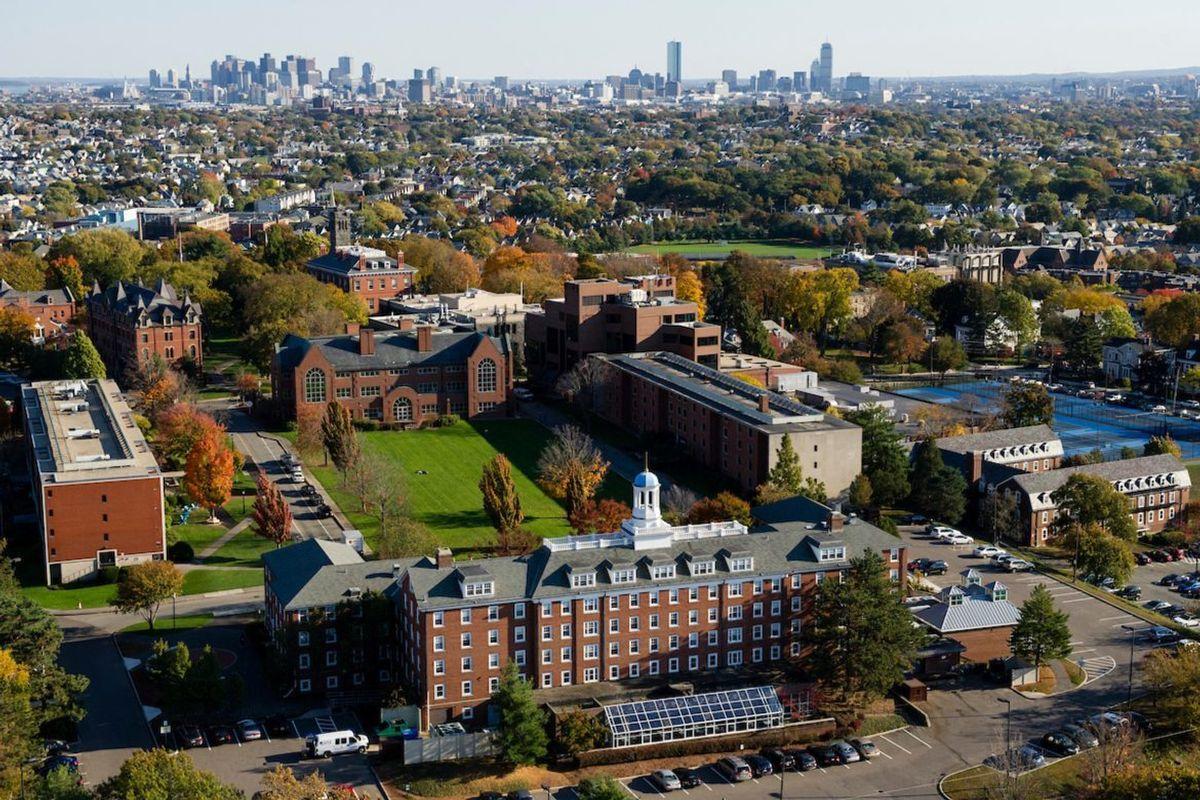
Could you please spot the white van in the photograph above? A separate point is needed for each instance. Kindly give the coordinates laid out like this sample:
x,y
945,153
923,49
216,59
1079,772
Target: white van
x,y
336,743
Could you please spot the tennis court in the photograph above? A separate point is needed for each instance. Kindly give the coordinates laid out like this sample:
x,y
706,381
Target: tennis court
x,y
1082,424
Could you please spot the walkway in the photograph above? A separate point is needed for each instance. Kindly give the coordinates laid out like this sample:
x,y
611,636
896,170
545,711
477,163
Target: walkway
x,y
224,540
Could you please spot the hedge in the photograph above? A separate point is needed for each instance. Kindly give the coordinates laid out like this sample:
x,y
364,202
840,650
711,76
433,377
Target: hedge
x,y
801,733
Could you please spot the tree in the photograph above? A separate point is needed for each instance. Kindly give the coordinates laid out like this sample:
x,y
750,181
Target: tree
x,y
103,254
819,301
275,305
501,502
208,473
25,272
1027,404
884,460
164,775
521,737
729,304
579,731
402,537
945,354
862,636
17,723
688,287
31,635
309,441
722,507
1089,499
603,787
282,784
272,513
17,329
176,431
1162,445
1174,681
158,385
600,516
938,491
571,468
1098,554
859,496
1000,515
1041,633
337,435
81,360
787,474
145,586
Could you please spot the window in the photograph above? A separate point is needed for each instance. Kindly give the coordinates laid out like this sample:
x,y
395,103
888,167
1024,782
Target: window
x,y
439,667
493,637
466,640
591,652
591,675
741,564
467,664
493,613
704,567
519,611
331,682
547,633
468,713
565,677
466,688
331,658
591,605
614,625
583,580
735,590
614,673
305,661
547,656
368,391
519,634
464,616
402,410
302,638
314,386
493,661
673,665
439,644
485,376
662,572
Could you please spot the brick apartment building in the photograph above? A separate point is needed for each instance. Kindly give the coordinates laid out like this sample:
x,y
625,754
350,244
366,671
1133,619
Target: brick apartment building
x,y
52,309
363,271
646,603
404,378
130,324
1157,488
723,423
989,454
977,616
97,489
602,315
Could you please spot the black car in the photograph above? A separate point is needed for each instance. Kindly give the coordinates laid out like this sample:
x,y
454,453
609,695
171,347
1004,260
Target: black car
x,y
779,760
279,727
221,734
825,754
759,766
190,736
62,761
491,796
1141,558
324,511
1138,720
804,760
1168,580
937,567
1060,743
56,747
1129,592
688,777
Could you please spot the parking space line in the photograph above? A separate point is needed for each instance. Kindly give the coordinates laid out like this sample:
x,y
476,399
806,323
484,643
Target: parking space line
x,y
918,738
1077,600
632,793
1084,650
1118,616
893,744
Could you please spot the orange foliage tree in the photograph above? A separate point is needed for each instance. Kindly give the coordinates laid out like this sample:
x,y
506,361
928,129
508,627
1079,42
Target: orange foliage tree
x,y
272,514
208,474
599,517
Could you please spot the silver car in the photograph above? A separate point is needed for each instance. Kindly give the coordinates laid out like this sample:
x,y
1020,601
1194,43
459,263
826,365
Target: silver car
x,y
846,752
665,780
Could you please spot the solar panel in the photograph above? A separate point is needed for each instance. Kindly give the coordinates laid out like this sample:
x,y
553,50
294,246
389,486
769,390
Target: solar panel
x,y
651,718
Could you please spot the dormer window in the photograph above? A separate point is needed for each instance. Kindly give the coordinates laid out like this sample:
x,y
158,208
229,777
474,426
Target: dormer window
x,y
661,571
836,553
999,593
741,563
623,575
954,599
583,580
703,567
479,589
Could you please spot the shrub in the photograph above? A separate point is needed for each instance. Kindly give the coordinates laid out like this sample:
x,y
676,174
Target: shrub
x,y
108,575
888,525
367,424
446,420
845,370
181,552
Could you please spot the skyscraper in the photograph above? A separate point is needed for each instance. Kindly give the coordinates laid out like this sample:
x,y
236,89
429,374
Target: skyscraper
x,y
368,72
674,61
729,76
826,77
799,81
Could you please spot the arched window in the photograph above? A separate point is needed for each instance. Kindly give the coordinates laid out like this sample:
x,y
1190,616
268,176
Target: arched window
x,y
485,376
314,386
402,409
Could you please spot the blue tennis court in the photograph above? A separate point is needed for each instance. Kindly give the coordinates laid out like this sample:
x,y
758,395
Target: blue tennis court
x,y
1082,424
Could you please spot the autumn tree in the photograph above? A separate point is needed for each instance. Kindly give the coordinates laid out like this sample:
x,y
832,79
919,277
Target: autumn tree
x,y
402,537
16,336
579,731
177,430
1162,445
688,287
158,386
159,774
208,473
145,586
1089,499
819,301
281,783
248,385
945,354
272,513
337,436
501,502
81,360
722,507
1027,404
571,468
599,516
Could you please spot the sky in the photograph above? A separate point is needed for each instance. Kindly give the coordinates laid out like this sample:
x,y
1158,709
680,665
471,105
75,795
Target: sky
x,y
572,39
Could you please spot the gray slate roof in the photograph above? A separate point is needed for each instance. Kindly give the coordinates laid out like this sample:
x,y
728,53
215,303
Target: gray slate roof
x,y
989,440
317,572
1033,483
392,350
135,300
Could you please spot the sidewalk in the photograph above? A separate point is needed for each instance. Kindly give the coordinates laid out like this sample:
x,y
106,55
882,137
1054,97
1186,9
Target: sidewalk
x,y
224,540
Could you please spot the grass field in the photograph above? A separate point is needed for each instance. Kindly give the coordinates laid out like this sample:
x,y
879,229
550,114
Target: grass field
x,y
720,249
442,466
202,581
164,624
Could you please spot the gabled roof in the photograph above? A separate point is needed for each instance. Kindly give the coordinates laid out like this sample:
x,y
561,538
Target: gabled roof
x,y
135,300
392,350
1129,469
317,572
990,440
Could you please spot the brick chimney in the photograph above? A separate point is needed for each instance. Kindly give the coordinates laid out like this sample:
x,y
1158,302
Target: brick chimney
x,y
764,403
445,558
834,522
366,342
424,338
352,328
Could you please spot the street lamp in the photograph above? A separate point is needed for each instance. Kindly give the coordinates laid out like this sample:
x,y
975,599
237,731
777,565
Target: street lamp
x,y
782,770
173,596
1129,691
1008,771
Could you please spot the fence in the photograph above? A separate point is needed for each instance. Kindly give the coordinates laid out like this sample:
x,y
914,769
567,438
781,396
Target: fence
x,y
448,748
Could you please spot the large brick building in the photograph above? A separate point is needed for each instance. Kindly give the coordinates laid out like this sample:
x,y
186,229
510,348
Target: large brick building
x,y
404,378
982,456
130,324
646,603
365,272
51,309
725,424
97,489
602,315
1157,488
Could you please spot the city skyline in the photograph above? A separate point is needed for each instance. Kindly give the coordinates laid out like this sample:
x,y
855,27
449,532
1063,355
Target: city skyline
x,y
481,45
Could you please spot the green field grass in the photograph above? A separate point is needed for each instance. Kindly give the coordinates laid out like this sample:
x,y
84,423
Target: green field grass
x,y
719,249
202,581
446,497
164,624
243,550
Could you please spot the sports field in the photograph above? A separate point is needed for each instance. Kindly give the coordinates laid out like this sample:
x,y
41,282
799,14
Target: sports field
x,y
441,468
721,249
1083,425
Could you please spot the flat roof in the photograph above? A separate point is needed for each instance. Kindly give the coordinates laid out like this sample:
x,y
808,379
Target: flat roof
x,y
84,431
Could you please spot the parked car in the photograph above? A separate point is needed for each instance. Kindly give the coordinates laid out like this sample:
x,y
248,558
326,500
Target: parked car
x,y
1107,719
249,730
780,760
1018,565
734,769
1060,743
335,743
324,511
61,761
519,794
804,760
688,777
1156,605
298,475
279,726
1186,620
759,766
958,539
941,531
846,752
987,551
1028,757
665,780
1141,558
916,519
1081,736
1157,555
825,754
1129,592
1168,579
1002,559
1138,721
522,393
190,736
865,747
1160,635
309,490
221,734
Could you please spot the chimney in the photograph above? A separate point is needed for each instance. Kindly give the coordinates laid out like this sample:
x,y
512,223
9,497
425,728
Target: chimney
x,y
352,328
834,522
764,403
424,338
366,342
395,570
445,558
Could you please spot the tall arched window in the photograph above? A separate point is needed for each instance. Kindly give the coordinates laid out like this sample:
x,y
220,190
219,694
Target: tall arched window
x,y
314,386
485,376
402,410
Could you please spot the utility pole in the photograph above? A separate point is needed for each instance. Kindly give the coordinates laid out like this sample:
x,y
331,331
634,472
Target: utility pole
x,y
1129,690
1008,755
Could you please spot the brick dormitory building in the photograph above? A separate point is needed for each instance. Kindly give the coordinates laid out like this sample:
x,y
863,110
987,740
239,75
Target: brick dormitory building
x,y
646,603
51,309
130,324
404,378
97,489
366,272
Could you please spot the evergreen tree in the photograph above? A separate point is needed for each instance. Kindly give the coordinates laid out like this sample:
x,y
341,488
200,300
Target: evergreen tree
x,y
81,360
859,495
1042,633
521,737
884,461
786,475
500,499
603,787
938,491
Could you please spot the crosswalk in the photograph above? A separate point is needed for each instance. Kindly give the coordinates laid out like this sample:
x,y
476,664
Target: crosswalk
x,y
1097,667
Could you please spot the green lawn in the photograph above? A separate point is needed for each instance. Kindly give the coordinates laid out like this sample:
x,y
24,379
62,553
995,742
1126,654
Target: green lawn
x,y
446,497
243,550
67,597
164,624
201,581
1193,469
766,248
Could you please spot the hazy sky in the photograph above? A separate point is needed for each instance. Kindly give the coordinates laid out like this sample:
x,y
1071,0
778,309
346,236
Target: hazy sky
x,y
570,39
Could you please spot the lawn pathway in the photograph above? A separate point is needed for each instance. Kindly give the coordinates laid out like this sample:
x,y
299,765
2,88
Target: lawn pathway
x,y
221,542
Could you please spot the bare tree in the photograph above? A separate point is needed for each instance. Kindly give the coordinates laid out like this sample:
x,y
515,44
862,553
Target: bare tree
x,y
1119,747
678,499
583,382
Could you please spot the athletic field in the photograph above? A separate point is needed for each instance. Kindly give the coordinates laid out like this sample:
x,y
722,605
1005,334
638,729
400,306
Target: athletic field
x,y
721,249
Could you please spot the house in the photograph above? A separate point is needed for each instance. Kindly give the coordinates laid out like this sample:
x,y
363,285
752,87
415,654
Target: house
x,y
365,272
1122,357
979,617
1035,448
131,324
52,309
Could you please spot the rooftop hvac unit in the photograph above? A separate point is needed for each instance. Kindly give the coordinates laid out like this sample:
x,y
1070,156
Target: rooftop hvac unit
x,y
73,408
95,457
83,433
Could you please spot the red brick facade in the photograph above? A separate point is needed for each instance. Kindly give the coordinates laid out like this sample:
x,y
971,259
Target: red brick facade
x,y
131,324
